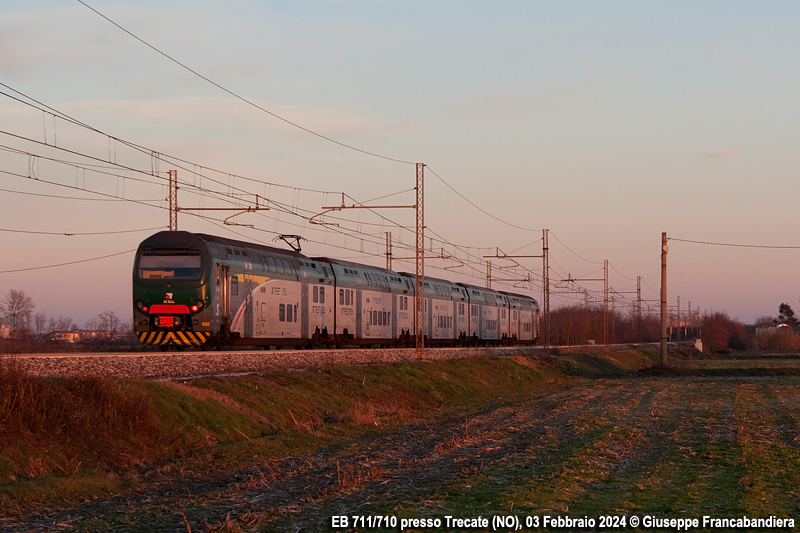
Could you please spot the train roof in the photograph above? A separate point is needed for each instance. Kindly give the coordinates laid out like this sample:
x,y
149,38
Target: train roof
x,y
352,264
186,238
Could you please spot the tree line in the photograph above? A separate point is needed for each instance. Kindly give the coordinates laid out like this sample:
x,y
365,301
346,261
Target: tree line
x,y
17,314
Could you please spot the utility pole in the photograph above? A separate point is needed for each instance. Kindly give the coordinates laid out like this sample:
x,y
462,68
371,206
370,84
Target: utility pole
x,y
605,303
488,274
173,200
419,316
388,250
639,308
546,285
664,249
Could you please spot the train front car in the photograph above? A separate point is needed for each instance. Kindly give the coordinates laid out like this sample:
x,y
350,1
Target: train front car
x,y
171,295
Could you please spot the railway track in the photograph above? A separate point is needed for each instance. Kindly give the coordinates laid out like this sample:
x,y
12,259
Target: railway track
x,y
188,365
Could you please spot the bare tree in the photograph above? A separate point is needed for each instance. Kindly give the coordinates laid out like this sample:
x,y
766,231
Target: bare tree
x,y
16,310
61,323
105,321
40,323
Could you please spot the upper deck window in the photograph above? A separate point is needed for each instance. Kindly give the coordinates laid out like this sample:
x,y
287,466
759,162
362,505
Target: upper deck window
x,y
188,265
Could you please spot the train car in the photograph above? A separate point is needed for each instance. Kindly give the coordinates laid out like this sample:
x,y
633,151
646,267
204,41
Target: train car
x,y
445,309
193,289
523,326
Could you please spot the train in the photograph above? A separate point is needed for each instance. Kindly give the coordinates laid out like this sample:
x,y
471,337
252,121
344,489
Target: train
x,y
199,290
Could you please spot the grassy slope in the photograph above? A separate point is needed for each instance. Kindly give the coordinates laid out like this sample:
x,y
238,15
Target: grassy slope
x,y
75,439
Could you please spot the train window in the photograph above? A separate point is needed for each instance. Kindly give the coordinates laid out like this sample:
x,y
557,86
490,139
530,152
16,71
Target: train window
x,y
289,313
271,265
281,270
282,313
316,295
322,295
234,285
288,266
188,265
385,318
341,296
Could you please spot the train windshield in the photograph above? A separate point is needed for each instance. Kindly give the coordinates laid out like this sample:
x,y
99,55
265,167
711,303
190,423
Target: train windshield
x,y
184,265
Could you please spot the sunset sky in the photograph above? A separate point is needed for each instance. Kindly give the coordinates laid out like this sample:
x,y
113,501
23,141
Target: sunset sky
x,y
606,122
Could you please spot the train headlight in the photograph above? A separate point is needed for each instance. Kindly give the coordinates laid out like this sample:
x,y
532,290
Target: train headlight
x,y
140,306
197,306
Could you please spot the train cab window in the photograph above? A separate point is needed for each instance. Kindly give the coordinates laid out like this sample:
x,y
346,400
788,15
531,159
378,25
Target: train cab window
x,y
185,265
234,285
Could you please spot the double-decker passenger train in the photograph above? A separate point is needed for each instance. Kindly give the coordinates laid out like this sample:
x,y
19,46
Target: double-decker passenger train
x,y
192,289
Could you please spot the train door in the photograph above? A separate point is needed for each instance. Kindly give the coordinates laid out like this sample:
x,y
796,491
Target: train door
x,y
304,306
474,320
359,313
226,299
394,316
248,304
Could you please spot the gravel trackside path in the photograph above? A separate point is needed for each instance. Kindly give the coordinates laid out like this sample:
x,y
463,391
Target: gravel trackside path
x,y
175,365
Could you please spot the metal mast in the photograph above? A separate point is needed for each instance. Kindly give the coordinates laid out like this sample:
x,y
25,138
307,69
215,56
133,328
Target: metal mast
x,y
419,320
546,285
173,200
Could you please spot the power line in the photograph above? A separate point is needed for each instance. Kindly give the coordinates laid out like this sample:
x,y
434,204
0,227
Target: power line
x,y
245,100
65,264
79,234
737,245
64,197
470,202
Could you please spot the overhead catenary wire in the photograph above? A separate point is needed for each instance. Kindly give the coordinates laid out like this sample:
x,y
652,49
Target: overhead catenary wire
x,y
167,158
79,233
66,263
763,246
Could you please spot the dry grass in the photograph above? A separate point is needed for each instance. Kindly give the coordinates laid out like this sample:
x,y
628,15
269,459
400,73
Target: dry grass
x,y
49,425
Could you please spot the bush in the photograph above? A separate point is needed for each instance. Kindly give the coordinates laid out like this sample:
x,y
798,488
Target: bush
x,y
776,339
720,332
92,421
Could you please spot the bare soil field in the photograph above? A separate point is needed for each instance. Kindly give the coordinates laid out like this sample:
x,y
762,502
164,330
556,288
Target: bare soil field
x,y
637,445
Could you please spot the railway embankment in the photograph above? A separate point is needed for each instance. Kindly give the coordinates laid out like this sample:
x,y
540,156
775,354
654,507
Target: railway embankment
x,y
193,364
95,436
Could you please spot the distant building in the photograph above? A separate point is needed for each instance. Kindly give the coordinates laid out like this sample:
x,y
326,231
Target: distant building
x,y
83,335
